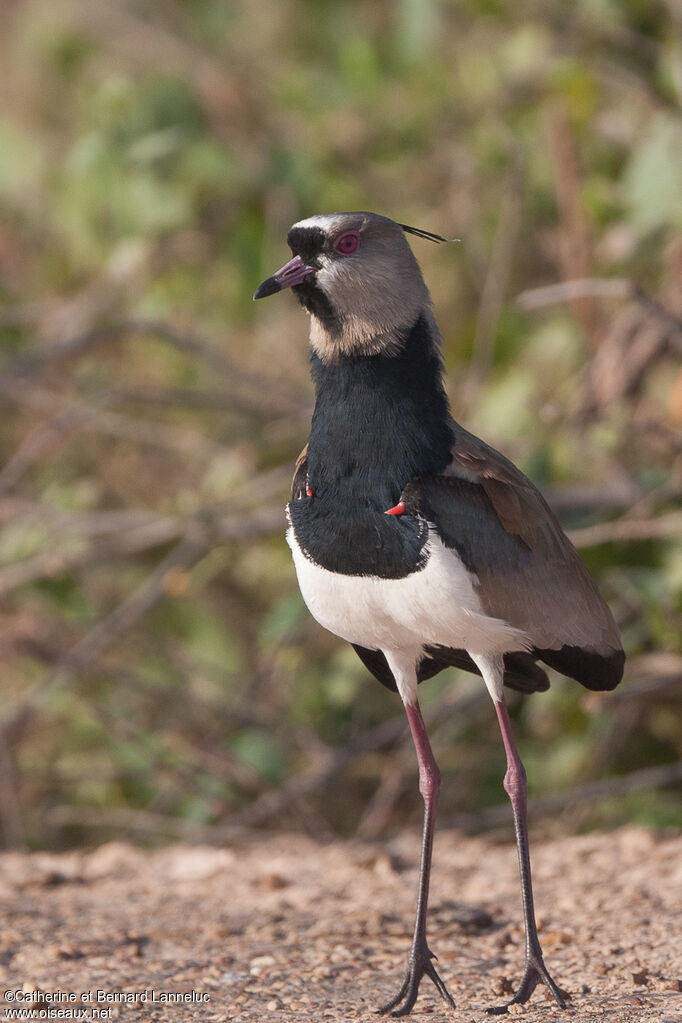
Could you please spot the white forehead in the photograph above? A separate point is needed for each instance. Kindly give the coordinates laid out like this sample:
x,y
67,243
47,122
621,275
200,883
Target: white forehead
x,y
326,221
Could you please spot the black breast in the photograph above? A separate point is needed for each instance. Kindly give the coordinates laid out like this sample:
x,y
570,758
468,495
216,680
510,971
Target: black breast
x,y
379,421
359,541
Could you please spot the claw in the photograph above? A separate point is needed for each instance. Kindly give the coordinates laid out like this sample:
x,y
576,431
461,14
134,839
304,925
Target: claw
x,y
418,964
535,973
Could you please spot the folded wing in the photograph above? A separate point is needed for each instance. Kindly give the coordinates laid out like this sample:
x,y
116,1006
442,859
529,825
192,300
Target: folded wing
x,y
528,572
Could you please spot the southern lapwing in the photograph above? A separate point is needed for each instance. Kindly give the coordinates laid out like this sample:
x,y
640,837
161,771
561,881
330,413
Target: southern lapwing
x,y
415,541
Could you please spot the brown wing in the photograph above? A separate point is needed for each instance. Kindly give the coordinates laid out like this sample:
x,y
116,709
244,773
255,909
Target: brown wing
x,y
300,480
528,572
519,505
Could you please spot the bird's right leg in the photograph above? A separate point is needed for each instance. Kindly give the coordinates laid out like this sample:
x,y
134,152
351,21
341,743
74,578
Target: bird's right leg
x,y
419,959
515,785
535,972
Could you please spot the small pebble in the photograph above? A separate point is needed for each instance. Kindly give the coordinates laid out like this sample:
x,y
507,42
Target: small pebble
x,y
272,882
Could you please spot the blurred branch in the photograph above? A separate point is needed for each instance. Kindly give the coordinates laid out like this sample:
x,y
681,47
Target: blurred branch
x,y
571,497
632,85
626,530
187,553
669,490
146,823
659,311
41,440
157,41
377,813
230,398
600,287
25,313
63,523
495,283
558,802
574,242
635,339
10,814
649,675
136,539
67,414
272,803
126,820
580,287
279,399
654,682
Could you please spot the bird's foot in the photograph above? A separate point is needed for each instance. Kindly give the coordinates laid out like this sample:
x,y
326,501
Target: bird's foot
x,y
418,964
534,974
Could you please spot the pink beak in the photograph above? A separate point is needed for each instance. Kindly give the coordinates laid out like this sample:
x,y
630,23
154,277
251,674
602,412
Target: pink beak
x,y
292,273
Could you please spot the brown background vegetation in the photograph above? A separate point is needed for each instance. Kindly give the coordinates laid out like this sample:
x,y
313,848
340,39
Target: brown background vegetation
x,y
161,677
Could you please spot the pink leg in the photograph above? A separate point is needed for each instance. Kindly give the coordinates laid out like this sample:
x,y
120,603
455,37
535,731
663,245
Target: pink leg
x,y
420,956
515,786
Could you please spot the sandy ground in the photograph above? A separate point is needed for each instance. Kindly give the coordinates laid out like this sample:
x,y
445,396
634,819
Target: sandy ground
x,y
283,928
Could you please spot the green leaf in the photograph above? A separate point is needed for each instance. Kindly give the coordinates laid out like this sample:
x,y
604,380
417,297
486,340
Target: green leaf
x,y
653,177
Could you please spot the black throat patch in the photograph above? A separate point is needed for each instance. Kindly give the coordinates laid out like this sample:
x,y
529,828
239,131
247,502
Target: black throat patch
x,y
317,303
309,243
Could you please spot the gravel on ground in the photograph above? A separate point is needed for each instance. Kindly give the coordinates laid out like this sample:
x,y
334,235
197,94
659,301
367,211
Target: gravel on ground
x,y
282,927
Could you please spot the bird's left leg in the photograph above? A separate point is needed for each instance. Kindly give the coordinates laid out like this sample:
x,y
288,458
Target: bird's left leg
x,y
491,667
419,960
515,785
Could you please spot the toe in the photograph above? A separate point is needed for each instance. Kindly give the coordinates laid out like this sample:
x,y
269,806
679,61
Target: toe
x,y
419,964
535,973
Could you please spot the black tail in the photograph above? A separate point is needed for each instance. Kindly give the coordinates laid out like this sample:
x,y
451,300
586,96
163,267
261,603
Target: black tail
x,y
593,670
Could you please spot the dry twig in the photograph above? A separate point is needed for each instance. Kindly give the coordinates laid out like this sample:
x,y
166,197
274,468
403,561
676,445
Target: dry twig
x,y
628,530
557,802
186,554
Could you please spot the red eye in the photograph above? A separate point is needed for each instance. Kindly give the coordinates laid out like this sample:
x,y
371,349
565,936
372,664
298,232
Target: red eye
x,y
347,243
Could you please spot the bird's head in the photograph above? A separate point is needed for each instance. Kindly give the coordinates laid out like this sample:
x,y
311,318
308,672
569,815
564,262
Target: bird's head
x,y
358,278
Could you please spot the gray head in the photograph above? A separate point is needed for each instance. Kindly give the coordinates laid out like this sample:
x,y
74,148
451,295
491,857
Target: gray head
x,y
358,278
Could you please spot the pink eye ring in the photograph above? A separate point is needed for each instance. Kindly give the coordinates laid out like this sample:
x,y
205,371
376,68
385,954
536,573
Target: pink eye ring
x,y
346,244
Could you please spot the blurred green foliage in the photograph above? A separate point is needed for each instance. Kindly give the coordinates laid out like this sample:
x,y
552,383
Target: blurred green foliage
x,y
161,675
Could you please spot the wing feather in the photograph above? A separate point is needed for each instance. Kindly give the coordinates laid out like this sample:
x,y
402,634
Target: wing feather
x,y
528,572
300,480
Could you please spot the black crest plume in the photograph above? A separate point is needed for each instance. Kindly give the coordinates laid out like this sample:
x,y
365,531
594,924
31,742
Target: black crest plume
x,y
429,235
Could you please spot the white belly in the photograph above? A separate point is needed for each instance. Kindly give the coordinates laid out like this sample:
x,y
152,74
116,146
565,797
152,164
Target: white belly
x,y
435,606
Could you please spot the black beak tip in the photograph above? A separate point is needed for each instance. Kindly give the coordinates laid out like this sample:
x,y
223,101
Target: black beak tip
x,y
269,287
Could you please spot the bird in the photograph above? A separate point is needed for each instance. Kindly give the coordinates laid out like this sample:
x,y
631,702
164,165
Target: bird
x,y
417,542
